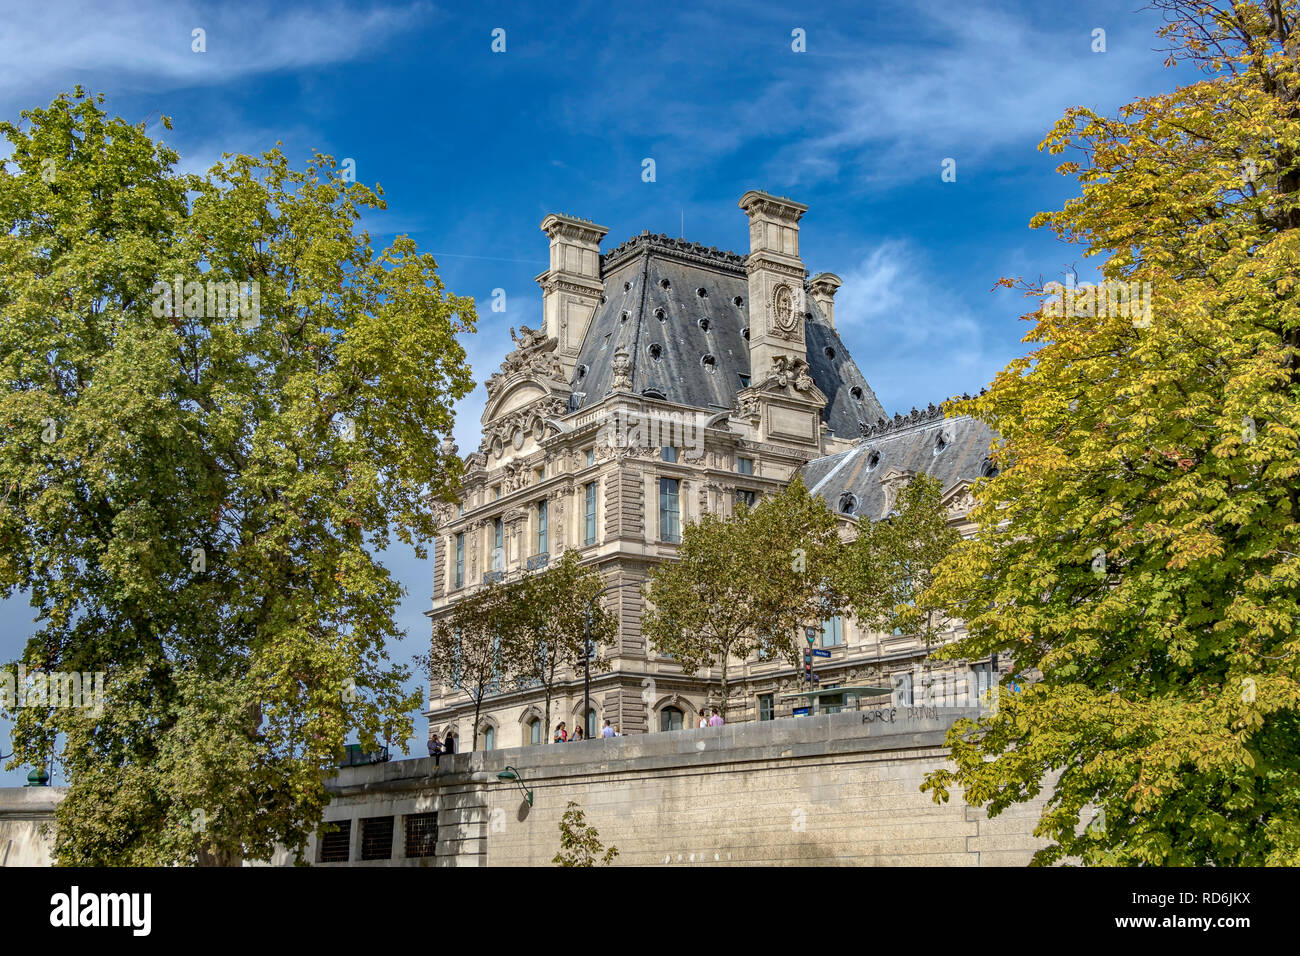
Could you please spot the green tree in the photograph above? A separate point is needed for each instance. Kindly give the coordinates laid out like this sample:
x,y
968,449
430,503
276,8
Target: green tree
x,y
746,584
580,843
195,492
1141,547
466,652
889,566
546,624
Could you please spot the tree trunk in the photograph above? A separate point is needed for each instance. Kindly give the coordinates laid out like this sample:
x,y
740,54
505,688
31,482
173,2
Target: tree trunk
x,y
473,740
723,707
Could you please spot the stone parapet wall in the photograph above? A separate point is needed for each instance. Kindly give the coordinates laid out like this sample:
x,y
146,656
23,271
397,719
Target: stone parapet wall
x,y
839,789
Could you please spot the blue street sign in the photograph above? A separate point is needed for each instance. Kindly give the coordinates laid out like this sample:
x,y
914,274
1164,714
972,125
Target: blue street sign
x,y
818,652
801,711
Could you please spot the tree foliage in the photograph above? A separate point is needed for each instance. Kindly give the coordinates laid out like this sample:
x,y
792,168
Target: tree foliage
x,y
889,566
546,626
1141,547
579,842
467,648
746,584
193,497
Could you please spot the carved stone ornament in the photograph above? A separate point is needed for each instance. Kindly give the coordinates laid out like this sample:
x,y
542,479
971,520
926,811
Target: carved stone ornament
x,y
791,373
784,317
622,370
534,355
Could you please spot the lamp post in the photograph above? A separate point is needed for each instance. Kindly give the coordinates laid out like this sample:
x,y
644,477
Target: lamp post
x,y
586,661
510,773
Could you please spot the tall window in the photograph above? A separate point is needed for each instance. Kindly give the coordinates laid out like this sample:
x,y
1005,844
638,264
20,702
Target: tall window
x,y
541,527
670,510
765,709
833,632
745,466
903,689
590,456
749,498
670,718
668,453
460,560
498,546
981,680
489,738
589,513
534,732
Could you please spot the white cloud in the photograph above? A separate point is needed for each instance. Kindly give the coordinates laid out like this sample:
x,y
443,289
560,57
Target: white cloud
x,y
149,45
912,333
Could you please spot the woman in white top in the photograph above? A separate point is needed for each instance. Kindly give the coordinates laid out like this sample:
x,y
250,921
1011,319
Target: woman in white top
x,y
704,721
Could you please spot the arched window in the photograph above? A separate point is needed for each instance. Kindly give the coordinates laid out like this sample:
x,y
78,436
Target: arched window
x,y
670,718
489,738
534,732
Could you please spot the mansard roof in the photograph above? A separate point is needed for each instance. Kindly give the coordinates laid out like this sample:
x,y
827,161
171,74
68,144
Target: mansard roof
x,y
680,310
953,450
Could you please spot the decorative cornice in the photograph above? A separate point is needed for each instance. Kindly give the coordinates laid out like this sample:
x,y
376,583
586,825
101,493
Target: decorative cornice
x,y
916,417
682,249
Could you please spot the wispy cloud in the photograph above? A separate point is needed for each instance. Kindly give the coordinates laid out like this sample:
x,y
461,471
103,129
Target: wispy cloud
x,y
915,337
151,45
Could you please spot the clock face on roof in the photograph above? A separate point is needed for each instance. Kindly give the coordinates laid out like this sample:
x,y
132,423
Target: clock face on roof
x,y
783,317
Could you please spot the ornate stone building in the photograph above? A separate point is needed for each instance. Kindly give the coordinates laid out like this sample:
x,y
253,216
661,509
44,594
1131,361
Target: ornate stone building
x,y
669,379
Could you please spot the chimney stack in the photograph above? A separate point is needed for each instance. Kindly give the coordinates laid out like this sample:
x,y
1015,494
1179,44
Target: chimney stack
x,y
571,287
823,287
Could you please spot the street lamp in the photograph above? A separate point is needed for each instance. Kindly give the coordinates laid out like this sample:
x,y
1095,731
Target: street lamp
x,y
510,773
586,663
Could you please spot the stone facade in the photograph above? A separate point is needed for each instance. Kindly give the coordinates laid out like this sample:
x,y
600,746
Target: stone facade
x,y
667,380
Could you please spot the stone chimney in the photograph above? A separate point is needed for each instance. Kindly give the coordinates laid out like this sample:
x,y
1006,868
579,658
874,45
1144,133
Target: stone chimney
x,y
822,288
783,402
571,287
776,275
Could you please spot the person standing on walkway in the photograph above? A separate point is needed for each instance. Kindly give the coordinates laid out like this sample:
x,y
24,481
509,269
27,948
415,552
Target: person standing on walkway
x,y
607,731
561,735
704,721
716,719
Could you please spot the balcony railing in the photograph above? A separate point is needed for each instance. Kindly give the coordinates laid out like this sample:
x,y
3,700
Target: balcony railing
x,y
493,577
540,560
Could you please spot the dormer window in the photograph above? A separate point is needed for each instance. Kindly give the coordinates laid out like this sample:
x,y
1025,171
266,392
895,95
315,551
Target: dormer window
x,y
856,392
665,284
738,302
660,314
656,351
848,503
709,362
702,292
703,324
830,353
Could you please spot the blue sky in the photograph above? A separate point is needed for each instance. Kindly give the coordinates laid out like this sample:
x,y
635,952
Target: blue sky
x,y
473,148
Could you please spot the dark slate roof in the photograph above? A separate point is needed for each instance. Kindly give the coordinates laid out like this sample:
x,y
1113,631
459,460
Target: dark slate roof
x,y
906,443
653,306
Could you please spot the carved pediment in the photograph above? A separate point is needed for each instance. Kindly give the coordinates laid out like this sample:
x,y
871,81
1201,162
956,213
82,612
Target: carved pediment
x,y
532,364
